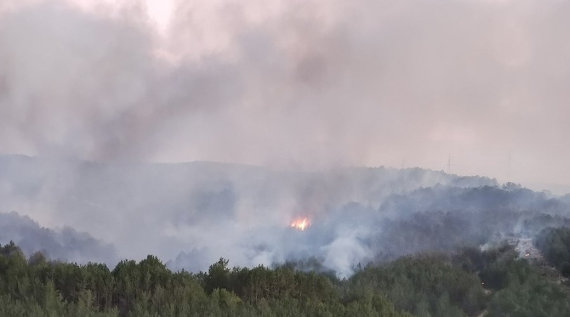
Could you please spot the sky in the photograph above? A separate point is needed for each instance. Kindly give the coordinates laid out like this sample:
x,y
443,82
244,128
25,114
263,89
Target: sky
x,y
472,87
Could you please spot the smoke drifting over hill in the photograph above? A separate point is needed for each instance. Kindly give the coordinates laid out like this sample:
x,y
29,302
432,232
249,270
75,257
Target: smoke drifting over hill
x,y
194,213
65,245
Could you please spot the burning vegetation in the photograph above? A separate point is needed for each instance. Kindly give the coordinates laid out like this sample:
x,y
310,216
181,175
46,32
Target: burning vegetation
x,y
301,223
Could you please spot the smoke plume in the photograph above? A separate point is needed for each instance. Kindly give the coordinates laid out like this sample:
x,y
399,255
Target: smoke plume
x,y
292,84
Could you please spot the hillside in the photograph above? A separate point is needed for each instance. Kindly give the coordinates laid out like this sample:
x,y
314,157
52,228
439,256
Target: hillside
x,y
191,214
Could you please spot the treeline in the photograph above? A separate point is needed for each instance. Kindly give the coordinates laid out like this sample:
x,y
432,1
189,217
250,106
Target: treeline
x,y
554,243
495,282
469,283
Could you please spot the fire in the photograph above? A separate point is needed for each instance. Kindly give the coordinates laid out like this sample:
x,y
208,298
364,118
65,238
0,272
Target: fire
x,y
301,223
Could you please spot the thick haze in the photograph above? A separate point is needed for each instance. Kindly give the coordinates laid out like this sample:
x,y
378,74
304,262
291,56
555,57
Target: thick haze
x,y
292,83
191,214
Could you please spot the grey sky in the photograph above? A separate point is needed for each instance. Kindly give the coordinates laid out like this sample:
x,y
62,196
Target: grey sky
x,y
293,84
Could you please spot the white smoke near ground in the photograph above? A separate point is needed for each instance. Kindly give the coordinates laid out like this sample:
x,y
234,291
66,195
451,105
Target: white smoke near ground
x,y
191,214
240,212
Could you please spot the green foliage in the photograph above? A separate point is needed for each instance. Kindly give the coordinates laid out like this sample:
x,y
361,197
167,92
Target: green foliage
x,y
425,285
218,276
528,293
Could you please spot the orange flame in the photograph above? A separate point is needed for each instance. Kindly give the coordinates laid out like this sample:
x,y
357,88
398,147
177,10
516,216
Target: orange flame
x,y
301,223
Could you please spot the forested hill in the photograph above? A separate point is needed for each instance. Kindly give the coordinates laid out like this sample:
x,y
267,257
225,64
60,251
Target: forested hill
x,y
64,244
178,211
380,242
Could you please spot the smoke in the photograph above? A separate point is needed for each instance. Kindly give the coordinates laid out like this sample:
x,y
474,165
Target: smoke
x,y
292,83
65,244
97,92
194,213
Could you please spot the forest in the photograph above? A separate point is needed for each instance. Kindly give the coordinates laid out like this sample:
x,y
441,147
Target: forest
x,y
467,282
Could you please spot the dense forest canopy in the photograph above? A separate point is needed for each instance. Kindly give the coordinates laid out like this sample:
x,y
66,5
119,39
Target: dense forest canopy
x,y
469,282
